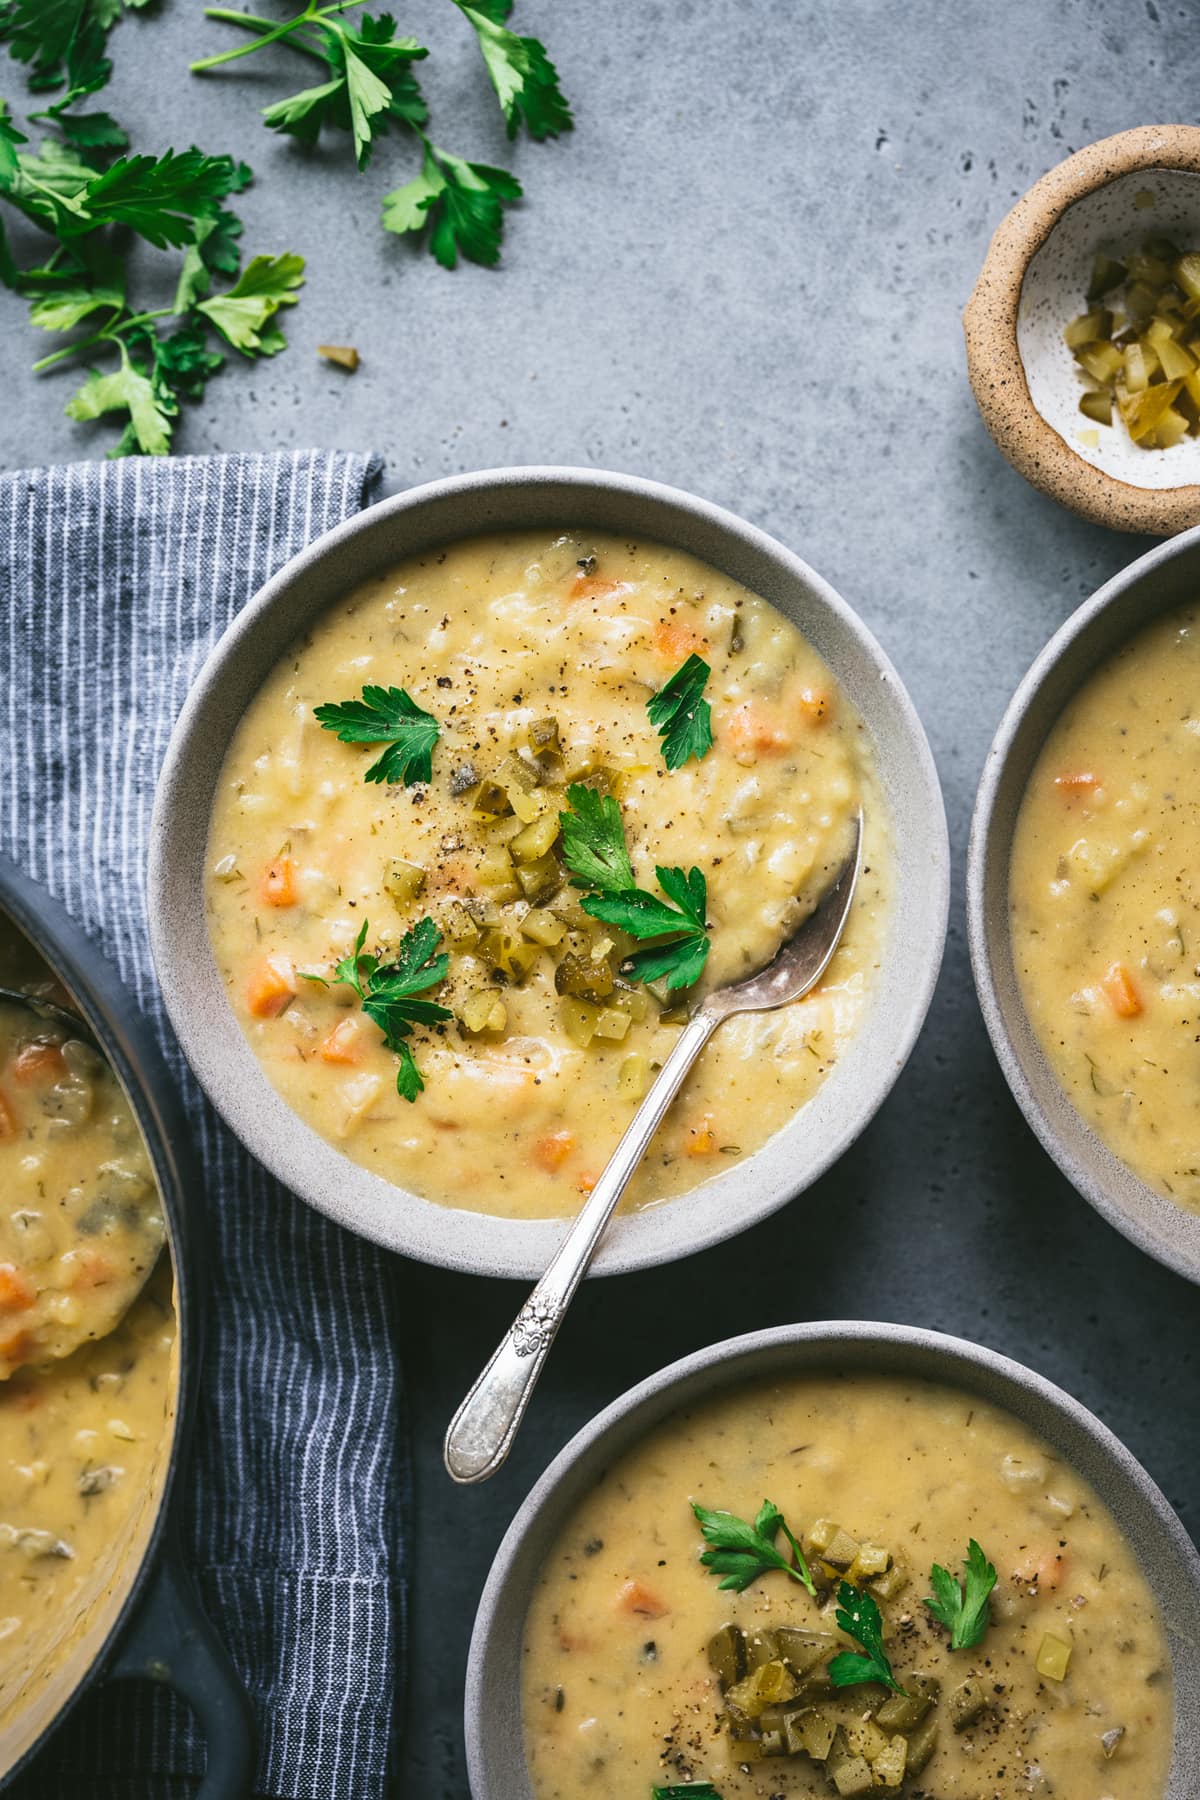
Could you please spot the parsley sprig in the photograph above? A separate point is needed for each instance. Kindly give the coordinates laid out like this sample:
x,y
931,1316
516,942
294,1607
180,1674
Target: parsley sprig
x,y
370,84
387,992
682,717
860,1618
595,852
963,1607
84,194
740,1551
386,716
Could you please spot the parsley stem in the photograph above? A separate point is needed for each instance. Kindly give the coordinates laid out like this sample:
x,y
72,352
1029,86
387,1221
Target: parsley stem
x,y
110,330
269,31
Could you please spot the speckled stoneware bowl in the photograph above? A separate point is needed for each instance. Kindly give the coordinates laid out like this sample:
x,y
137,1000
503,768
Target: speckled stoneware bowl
x,y
1164,578
1107,198
1168,1558
557,499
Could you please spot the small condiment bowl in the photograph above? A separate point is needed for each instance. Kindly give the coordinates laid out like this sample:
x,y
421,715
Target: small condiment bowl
x,y
1167,1557
1166,577
556,500
1106,198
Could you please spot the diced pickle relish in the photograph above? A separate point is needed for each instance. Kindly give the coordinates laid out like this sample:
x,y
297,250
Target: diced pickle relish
x,y
878,1478
537,658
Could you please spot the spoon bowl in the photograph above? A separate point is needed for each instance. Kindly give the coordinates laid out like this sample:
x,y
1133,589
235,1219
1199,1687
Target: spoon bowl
x,y
482,1431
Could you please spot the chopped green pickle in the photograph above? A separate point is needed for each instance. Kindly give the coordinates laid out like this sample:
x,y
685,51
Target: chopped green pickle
x,y
1142,346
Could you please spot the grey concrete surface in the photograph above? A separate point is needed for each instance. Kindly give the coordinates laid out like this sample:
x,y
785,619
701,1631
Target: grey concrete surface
x,y
743,274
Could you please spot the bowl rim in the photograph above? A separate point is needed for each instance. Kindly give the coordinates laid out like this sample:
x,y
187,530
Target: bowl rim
x,y
956,1361
451,1237
994,365
983,926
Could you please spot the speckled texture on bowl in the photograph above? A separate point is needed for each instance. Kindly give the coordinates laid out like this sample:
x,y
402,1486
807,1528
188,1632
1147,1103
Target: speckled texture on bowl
x,y
1108,197
559,499
1168,1558
1165,577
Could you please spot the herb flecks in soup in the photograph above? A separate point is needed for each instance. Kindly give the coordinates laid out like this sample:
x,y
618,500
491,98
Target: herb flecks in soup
x,y
977,1628
526,671
1105,902
81,1221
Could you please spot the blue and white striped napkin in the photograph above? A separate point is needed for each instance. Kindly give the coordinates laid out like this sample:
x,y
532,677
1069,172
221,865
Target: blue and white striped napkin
x,y
115,582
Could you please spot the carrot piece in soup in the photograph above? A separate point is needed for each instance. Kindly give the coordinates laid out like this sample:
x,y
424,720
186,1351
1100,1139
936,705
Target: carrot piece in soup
x,y
17,1292
1121,992
634,1598
701,1140
14,1350
38,1063
279,883
551,1152
1044,1569
675,641
815,705
91,1270
1076,781
585,1182
344,1042
271,986
751,730
593,587
8,1123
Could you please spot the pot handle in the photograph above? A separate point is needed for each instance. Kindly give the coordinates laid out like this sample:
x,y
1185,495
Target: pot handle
x,y
170,1640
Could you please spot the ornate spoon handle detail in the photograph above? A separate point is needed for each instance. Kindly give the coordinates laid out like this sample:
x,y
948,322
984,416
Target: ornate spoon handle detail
x,y
482,1430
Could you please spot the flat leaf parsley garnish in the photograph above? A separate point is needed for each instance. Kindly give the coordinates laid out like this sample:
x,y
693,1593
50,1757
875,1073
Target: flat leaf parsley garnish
x,y
686,1790
741,1552
525,80
963,1607
595,851
460,202
388,992
682,716
386,716
860,1618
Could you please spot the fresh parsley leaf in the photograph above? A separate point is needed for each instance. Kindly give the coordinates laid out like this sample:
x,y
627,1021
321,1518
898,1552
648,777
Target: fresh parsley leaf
x,y
388,990
60,41
642,915
594,847
860,1618
963,1608
128,389
10,137
386,716
183,361
460,202
741,1552
158,196
686,1790
595,852
525,80
242,313
681,715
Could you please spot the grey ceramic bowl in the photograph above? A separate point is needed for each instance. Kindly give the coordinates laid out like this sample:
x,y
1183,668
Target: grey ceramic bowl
x,y
558,499
1167,1556
1164,578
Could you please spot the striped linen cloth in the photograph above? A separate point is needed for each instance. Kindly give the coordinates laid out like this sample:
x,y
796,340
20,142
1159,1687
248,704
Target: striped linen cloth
x,y
115,582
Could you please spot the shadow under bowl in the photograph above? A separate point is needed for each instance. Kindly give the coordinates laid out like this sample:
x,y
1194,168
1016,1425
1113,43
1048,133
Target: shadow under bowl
x,y
1163,579
1166,1555
557,500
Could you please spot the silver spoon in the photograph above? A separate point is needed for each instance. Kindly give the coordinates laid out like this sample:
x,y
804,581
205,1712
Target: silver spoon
x,y
482,1430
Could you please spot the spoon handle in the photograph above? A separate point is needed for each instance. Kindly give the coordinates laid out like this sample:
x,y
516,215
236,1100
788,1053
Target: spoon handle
x,y
482,1430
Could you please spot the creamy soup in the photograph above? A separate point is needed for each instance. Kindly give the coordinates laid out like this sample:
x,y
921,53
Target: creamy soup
x,y
537,659
87,1335
1105,899
640,1672
81,1221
